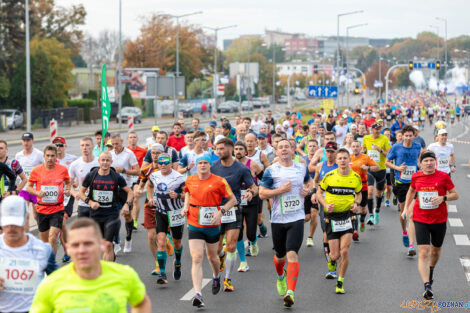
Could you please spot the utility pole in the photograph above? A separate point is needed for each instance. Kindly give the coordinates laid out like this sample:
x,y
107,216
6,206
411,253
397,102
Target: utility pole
x,y
119,71
28,71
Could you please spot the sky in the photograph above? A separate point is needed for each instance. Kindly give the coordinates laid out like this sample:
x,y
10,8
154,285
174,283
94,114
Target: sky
x,y
385,18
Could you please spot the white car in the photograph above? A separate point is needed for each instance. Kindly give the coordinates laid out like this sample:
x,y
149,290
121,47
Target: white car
x,y
14,118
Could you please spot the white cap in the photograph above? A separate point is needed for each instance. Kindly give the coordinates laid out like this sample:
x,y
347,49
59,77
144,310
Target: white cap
x,y
442,131
416,127
353,126
157,146
218,137
286,124
13,211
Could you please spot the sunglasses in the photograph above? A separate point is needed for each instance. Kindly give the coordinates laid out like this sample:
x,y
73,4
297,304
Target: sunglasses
x,y
164,160
59,145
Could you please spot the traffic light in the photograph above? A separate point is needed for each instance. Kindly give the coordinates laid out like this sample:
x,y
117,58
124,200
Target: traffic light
x,y
438,65
356,91
410,65
315,69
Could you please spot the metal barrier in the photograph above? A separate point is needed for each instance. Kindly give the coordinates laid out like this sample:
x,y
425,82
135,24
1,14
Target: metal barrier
x,y
63,116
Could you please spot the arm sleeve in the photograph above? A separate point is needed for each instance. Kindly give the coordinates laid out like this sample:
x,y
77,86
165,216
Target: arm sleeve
x,y
391,154
324,184
371,162
267,180
174,156
359,184
121,181
15,165
135,286
42,299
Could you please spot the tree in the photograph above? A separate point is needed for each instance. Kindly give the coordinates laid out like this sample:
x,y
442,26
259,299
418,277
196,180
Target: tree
x,y
372,75
199,88
402,77
78,61
127,98
102,49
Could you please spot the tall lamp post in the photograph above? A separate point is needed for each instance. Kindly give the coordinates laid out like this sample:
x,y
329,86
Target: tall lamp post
x,y
347,55
28,71
445,38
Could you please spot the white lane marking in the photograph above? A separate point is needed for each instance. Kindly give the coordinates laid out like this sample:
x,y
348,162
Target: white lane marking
x,y
455,222
465,261
464,133
190,294
464,164
452,208
461,240
468,176
468,276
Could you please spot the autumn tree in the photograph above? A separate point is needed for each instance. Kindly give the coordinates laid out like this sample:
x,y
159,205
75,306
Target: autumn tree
x,y
402,77
102,48
372,75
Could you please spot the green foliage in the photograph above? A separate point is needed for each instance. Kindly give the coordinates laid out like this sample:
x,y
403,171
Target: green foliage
x,y
78,61
4,87
402,77
37,123
81,103
92,94
58,103
127,98
197,87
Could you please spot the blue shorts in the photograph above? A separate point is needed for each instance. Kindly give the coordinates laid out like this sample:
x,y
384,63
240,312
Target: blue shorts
x,y
208,234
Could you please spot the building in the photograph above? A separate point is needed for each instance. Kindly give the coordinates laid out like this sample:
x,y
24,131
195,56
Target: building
x,y
302,68
278,37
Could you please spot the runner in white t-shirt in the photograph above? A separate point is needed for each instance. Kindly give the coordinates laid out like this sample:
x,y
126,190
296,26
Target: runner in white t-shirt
x,y
29,158
444,152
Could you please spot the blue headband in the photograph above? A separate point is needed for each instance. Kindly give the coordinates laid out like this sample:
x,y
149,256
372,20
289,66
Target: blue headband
x,y
204,157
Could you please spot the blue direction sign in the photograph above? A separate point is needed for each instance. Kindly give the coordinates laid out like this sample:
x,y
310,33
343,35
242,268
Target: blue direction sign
x,y
322,91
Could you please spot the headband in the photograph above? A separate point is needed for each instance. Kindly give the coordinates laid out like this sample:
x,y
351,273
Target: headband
x,y
427,154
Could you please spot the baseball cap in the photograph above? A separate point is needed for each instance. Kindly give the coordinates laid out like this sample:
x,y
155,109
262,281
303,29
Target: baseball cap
x,y
157,146
59,140
27,136
442,131
108,143
399,116
376,125
155,128
213,123
218,137
287,113
285,124
262,135
205,157
226,125
332,146
13,211
353,126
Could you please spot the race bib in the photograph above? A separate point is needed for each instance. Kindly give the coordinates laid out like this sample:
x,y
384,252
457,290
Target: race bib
x,y
425,198
408,172
229,216
52,194
243,201
374,155
341,225
175,218
20,275
27,170
206,213
443,164
290,203
103,196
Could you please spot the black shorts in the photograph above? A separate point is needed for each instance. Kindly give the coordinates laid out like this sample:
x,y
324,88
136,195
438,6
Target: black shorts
x,y
110,229
431,115
287,237
308,205
364,195
377,177
162,226
46,221
430,233
400,190
321,215
83,211
388,179
208,234
69,207
332,235
234,225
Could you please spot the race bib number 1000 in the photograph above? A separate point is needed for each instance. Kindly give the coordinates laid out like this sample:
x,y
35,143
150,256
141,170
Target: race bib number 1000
x,y
425,198
52,194
290,203
20,275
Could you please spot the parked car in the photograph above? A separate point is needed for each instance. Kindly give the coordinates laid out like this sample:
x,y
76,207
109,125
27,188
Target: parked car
x,y
187,109
300,97
257,104
265,102
467,109
235,106
14,118
247,106
282,99
129,111
224,107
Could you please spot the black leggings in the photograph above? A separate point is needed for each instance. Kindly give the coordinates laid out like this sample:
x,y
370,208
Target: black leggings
x,y
250,216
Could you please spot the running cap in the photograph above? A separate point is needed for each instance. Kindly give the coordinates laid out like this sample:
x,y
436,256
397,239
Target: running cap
x,y
13,211
157,146
59,140
155,128
442,132
204,157
218,137
27,136
332,146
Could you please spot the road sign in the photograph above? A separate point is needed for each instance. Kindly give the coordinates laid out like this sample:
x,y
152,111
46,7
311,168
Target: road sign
x,y
417,65
431,65
317,91
220,89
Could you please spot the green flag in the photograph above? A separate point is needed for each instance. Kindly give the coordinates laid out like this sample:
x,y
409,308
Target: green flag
x,y
105,106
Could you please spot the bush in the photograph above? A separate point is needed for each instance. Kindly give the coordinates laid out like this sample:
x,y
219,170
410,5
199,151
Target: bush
x,y
58,103
37,123
92,94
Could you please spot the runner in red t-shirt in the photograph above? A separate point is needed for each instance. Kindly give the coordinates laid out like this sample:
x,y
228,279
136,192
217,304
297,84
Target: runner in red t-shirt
x,y
139,153
429,213
176,140
368,120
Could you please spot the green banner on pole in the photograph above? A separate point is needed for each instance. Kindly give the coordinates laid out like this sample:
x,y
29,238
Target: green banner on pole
x,y
105,106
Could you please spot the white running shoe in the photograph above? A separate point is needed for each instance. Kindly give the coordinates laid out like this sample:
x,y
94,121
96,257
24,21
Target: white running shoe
x,y
127,246
117,248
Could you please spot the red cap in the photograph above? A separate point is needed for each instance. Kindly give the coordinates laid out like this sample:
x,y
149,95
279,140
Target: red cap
x,y
59,140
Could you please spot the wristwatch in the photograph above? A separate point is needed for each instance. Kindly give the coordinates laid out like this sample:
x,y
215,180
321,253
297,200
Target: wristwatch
x,y
129,203
87,200
222,210
445,198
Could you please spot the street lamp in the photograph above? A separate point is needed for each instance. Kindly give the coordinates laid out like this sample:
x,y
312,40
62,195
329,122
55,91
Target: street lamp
x,y
28,71
216,29
347,55
437,33
445,39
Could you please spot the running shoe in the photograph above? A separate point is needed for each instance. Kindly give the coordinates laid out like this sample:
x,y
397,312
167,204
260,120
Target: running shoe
x,y
197,301
243,267
65,259
177,272
331,267
127,246
331,275
117,248
228,287
289,299
169,247
215,285
411,251
248,250
310,242
254,249
156,271
339,287
222,261
355,236
377,218
362,227
162,279
370,220
406,240
387,203
282,284
263,231
428,294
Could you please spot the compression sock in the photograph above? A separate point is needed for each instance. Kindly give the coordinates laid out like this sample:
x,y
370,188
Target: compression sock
x,y
370,205
262,228
279,265
379,203
326,250
241,250
431,273
161,258
363,217
292,275
129,227
178,255
230,264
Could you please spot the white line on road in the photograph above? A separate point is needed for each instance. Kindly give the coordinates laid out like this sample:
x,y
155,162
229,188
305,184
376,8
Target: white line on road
x,y
455,222
464,133
468,175
465,261
464,164
190,294
461,240
452,208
